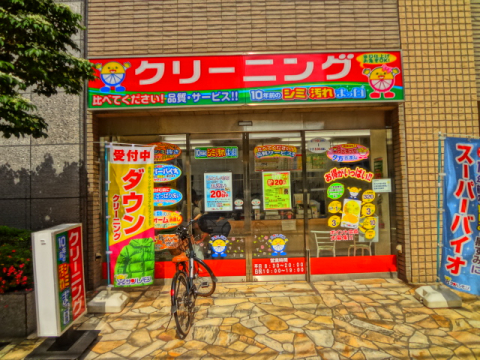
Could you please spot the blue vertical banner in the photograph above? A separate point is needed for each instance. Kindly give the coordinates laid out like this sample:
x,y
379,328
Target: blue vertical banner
x,y
460,266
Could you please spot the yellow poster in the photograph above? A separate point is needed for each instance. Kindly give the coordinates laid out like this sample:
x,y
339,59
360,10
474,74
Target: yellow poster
x,y
130,215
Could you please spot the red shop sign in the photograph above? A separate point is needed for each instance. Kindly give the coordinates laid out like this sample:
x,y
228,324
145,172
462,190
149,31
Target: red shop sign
x,y
347,76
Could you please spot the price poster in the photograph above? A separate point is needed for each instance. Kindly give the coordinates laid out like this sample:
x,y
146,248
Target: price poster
x,y
218,191
277,194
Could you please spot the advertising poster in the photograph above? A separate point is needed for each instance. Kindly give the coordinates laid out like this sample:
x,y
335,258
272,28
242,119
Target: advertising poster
x,y
166,219
348,153
351,213
130,209
164,173
460,264
246,79
218,191
277,194
165,196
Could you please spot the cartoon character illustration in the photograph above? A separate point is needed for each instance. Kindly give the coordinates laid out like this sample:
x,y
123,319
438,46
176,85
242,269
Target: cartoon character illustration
x,y
112,74
381,79
354,191
278,242
219,245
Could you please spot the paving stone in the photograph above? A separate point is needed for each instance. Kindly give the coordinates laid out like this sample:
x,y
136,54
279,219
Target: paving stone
x,y
276,310
265,354
353,340
251,323
102,347
125,350
297,323
371,354
463,352
393,350
140,338
239,346
421,354
242,330
252,349
378,337
209,322
304,347
284,357
328,354
225,339
418,337
192,354
146,350
124,324
282,336
194,345
173,344
344,350
324,320
322,338
116,335
207,334
224,353
261,330
225,302
289,347
177,352
269,342
468,339
273,323
221,311
168,335
282,301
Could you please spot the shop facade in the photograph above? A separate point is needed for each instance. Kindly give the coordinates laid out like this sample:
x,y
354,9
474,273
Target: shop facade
x,y
301,159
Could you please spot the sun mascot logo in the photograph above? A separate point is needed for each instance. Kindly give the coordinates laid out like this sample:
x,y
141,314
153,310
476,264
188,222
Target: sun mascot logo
x,y
112,74
278,242
381,79
219,245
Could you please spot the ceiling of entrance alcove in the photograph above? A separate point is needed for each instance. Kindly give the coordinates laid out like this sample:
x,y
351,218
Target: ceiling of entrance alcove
x,y
266,109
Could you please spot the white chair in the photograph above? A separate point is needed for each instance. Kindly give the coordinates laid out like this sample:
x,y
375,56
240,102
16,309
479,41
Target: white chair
x,y
322,239
364,245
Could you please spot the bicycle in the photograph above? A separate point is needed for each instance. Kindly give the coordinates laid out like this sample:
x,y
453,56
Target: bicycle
x,y
192,277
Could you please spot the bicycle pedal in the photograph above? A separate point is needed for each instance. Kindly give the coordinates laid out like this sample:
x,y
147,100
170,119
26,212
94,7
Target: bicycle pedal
x,y
204,284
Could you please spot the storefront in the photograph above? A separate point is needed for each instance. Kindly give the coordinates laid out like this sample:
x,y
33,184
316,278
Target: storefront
x,y
299,186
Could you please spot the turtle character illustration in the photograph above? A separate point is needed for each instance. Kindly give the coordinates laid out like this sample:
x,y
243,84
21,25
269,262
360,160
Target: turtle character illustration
x,y
112,74
278,243
381,79
219,245
354,191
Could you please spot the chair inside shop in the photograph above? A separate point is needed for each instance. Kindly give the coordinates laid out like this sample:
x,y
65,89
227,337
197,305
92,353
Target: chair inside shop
x,y
366,244
323,242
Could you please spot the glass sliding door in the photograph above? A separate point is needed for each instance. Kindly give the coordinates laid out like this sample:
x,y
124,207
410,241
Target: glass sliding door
x,y
277,245
217,193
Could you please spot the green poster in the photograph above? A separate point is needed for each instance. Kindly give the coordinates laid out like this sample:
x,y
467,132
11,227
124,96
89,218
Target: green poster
x,y
277,194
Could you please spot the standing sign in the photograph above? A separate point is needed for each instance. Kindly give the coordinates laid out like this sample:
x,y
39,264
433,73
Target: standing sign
x,y
59,278
218,191
277,194
130,206
246,79
460,266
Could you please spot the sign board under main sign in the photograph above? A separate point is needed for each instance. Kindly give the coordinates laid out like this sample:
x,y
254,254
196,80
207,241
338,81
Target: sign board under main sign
x,y
382,185
218,191
59,278
220,152
246,79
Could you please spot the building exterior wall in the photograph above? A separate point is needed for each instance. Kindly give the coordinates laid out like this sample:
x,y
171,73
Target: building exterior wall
x,y
41,179
441,94
439,74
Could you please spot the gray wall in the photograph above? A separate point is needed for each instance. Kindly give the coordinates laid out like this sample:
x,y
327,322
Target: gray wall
x,y
41,180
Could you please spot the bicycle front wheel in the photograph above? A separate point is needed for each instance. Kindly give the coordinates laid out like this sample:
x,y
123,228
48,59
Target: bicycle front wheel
x,y
203,279
181,304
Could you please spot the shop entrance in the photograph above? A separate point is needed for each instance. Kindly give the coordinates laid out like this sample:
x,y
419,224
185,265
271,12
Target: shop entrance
x,y
245,190
285,205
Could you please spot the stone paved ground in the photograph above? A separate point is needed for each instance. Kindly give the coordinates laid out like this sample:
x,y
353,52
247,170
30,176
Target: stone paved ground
x,y
363,319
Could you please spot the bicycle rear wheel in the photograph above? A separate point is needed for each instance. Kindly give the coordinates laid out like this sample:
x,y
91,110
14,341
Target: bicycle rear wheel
x,y
203,279
181,304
